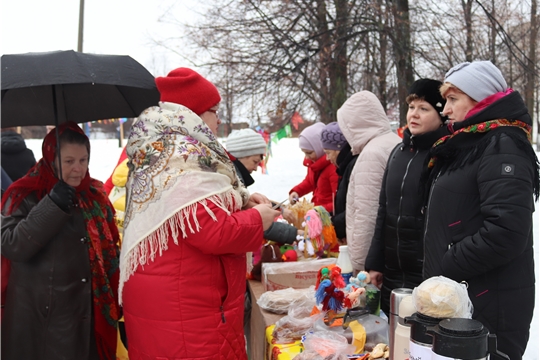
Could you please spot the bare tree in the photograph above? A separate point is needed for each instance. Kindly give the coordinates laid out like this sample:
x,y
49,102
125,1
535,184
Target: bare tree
x,y
401,40
273,57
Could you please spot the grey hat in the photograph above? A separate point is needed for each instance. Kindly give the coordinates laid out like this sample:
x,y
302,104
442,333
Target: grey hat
x,y
245,142
478,79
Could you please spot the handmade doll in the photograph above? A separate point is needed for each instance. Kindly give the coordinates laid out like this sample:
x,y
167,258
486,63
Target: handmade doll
x,y
329,283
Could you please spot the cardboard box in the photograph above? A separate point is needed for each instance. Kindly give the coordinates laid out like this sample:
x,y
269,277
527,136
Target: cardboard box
x,y
298,275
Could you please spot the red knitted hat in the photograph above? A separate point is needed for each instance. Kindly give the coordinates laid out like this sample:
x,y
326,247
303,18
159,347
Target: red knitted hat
x,y
186,87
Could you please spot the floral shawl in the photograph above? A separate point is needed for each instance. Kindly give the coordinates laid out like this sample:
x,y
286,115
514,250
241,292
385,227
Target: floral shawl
x,y
176,164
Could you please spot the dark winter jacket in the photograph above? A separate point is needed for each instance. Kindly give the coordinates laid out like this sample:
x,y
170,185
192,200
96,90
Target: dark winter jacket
x,y
48,309
479,226
16,158
397,248
279,232
345,162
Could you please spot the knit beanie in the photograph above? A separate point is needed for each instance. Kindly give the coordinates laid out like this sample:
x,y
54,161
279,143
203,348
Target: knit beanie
x,y
428,90
310,139
332,138
478,79
186,87
245,142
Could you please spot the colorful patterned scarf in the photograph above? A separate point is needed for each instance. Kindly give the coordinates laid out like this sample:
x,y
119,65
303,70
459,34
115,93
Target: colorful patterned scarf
x,y
176,164
482,128
101,231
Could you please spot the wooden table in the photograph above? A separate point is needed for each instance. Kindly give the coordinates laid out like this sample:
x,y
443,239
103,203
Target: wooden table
x,y
260,320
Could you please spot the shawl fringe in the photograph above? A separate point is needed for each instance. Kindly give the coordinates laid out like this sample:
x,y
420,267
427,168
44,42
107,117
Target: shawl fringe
x,y
157,242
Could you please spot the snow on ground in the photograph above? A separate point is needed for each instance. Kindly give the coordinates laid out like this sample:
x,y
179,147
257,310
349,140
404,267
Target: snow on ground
x,y
284,171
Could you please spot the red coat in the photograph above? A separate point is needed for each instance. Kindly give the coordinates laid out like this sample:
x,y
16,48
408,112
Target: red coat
x,y
189,302
322,180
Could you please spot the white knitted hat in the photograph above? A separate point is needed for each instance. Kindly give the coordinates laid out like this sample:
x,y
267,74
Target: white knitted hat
x,y
478,79
245,142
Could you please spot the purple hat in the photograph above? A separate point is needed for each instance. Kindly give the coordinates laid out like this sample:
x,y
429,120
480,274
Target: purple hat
x,y
310,139
332,138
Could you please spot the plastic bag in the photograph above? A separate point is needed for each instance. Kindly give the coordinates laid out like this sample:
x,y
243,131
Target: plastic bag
x,y
325,345
293,326
442,298
279,301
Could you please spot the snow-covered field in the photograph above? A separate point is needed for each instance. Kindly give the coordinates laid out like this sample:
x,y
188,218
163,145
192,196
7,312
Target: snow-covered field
x,y
284,171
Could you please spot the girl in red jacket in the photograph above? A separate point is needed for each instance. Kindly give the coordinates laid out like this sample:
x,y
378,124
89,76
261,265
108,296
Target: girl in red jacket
x,y
322,178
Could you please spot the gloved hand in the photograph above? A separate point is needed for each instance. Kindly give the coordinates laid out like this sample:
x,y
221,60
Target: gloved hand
x,y
63,195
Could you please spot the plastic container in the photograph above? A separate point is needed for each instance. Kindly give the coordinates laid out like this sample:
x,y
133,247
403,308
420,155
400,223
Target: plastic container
x,y
373,299
344,263
464,339
420,341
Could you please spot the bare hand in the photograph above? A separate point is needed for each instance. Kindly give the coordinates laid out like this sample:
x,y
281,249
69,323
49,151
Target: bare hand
x,y
293,198
256,199
289,216
376,278
267,214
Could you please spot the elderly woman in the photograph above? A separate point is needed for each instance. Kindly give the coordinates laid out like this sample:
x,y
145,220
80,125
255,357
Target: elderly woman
x,y
396,254
479,210
60,238
189,222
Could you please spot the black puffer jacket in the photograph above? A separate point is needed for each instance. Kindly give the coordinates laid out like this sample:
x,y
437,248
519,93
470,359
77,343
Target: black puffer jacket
x,y
345,164
397,248
479,226
16,158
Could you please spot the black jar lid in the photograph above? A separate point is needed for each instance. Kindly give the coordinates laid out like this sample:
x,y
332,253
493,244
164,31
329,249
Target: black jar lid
x,y
461,327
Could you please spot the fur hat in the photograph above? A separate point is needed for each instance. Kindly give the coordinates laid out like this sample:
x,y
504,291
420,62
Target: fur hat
x,y
332,138
478,79
310,139
428,90
245,142
186,87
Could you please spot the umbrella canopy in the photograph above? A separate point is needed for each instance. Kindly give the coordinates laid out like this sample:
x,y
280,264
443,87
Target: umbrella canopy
x,y
53,87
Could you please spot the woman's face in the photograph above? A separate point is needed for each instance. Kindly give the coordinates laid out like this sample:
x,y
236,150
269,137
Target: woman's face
x,y
457,106
74,163
331,155
211,119
422,117
252,162
310,154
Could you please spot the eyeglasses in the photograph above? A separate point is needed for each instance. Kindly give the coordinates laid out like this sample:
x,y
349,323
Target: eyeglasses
x,y
215,111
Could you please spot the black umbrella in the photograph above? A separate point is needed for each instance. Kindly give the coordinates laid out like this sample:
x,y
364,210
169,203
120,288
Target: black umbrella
x,y
52,87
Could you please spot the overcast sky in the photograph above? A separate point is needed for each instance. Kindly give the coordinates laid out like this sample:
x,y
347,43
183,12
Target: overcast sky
x,y
124,27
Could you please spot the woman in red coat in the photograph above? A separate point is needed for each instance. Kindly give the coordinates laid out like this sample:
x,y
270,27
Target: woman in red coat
x,y
188,224
322,178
